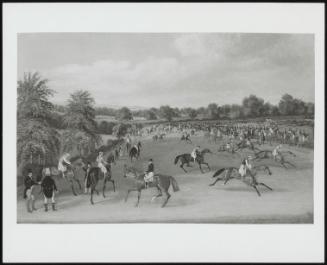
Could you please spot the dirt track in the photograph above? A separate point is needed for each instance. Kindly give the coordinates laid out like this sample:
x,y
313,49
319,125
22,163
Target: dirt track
x,y
291,200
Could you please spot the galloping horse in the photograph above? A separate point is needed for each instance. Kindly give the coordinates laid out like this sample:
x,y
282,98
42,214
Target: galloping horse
x,y
161,182
135,152
186,138
232,173
95,175
187,158
280,158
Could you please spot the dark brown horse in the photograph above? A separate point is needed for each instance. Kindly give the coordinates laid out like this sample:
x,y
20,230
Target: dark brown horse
x,y
187,158
280,158
161,182
232,173
94,175
135,151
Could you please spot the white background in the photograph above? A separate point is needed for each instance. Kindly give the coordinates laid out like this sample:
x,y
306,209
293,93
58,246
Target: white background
x,y
159,242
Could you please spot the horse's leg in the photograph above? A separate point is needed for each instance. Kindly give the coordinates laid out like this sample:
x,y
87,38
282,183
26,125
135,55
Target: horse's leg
x,y
113,183
200,167
138,198
289,163
158,195
212,184
92,190
263,184
168,196
256,189
183,167
207,165
79,184
72,187
104,187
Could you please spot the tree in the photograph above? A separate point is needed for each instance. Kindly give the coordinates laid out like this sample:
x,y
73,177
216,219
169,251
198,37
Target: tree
x,y
253,106
235,111
81,124
120,130
167,113
37,141
213,112
286,105
191,113
310,108
150,115
124,114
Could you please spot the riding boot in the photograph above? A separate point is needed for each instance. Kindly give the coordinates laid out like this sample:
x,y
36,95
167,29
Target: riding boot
x,y
146,185
33,205
46,207
54,207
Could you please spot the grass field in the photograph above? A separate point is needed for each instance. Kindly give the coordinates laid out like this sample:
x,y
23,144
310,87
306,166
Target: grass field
x,y
291,200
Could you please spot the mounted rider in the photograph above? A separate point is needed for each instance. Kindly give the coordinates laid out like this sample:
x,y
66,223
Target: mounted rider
x,y
195,152
101,163
245,167
149,173
49,188
276,151
29,184
63,163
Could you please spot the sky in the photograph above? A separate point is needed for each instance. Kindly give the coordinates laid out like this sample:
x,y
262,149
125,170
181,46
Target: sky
x,y
180,70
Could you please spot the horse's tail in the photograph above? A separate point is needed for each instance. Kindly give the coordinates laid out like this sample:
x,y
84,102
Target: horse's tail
x,y
218,172
174,184
176,159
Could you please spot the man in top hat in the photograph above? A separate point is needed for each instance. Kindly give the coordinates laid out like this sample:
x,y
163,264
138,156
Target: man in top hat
x,y
29,184
49,188
276,151
149,173
195,152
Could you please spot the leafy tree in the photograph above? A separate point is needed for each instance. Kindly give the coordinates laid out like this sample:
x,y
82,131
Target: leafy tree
x,y
124,114
120,130
37,142
150,115
235,111
253,106
81,124
310,108
213,111
286,105
167,113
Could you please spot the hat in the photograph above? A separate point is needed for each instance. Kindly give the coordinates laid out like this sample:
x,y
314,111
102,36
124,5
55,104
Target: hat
x,y
29,171
150,160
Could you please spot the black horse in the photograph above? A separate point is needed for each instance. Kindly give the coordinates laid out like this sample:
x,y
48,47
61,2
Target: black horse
x,y
186,138
187,158
95,175
135,151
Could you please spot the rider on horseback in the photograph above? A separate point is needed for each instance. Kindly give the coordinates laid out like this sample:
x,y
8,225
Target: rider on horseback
x,y
245,167
195,152
276,151
63,163
149,173
101,163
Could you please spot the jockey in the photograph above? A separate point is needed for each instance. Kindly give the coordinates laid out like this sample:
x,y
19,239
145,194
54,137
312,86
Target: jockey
x,y
63,162
276,151
242,169
101,163
29,183
49,188
195,152
149,173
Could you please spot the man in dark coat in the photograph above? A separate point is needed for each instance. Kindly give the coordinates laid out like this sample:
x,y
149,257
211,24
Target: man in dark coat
x,y
29,184
49,188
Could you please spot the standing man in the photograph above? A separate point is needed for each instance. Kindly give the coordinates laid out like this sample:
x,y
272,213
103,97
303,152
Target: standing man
x,y
49,188
29,184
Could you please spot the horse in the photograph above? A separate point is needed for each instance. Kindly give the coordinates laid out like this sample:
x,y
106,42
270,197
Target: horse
x,y
135,151
69,175
280,158
187,158
245,144
95,175
186,139
160,181
232,173
161,136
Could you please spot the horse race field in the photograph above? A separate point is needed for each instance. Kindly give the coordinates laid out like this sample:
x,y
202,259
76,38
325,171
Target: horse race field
x,y
291,200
